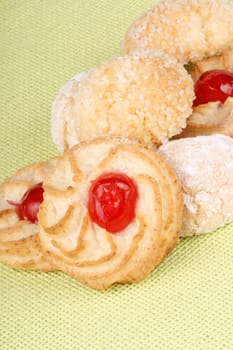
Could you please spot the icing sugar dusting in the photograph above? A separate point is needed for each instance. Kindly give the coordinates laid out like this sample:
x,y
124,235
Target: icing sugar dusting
x,y
204,165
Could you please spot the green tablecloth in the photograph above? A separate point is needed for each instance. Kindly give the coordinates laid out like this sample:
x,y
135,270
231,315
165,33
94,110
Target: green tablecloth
x,y
186,303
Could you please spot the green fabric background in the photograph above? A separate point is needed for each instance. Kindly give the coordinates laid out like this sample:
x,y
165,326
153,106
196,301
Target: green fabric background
x,y
186,303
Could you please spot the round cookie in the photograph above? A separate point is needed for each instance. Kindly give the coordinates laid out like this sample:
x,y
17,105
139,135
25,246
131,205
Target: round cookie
x,y
199,34
19,238
204,166
189,30
145,97
124,249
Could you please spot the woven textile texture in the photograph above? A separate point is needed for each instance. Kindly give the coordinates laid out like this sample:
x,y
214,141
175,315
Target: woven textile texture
x,y
186,303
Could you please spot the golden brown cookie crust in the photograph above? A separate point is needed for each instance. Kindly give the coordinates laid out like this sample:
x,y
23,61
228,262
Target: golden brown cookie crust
x,y
74,244
213,117
20,245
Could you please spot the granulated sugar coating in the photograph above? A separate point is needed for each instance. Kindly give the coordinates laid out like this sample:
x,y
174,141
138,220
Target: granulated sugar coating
x,y
62,110
187,29
146,97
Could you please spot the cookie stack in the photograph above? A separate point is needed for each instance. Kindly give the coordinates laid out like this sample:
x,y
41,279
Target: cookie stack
x,y
146,153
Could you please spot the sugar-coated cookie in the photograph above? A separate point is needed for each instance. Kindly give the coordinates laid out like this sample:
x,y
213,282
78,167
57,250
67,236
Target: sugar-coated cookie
x,y
204,166
200,34
111,212
62,112
19,197
146,96
187,29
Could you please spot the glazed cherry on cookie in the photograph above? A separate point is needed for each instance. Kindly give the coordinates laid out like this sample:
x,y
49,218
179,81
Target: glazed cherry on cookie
x,y
112,201
214,85
28,207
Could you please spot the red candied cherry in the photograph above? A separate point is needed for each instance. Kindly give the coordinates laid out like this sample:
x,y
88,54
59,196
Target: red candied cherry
x,y
28,207
213,85
112,201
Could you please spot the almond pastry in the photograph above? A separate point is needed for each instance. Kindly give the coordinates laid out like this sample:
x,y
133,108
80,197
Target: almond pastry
x,y
19,238
186,29
146,97
212,117
204,166
111,212
62,111
200,35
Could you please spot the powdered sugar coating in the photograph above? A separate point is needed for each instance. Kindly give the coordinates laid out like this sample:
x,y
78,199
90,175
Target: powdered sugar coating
x,y
204,165
187,29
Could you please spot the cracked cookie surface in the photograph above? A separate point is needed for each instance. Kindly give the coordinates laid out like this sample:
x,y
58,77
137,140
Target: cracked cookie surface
x,y
204,165
188,30
146,97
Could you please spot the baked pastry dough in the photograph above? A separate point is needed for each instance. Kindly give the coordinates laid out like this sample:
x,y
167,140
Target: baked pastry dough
x,y
19,239
204,166
146,97
83,249
188,30
62,123
223,60
199,34
212,117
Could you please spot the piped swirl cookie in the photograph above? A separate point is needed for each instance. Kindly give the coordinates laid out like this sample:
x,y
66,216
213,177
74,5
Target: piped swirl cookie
x,y
146,97
20,197
213,105
111,212
204,166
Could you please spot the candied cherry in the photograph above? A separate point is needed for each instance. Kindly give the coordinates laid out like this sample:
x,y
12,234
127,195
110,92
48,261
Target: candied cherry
x,y
213,85
112,201
28,207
